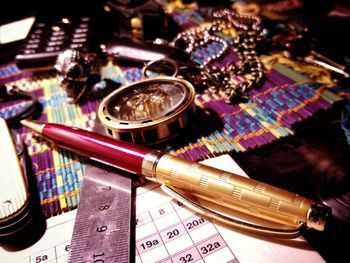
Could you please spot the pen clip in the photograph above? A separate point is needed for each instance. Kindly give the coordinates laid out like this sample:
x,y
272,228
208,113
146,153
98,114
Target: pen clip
x,y
191,202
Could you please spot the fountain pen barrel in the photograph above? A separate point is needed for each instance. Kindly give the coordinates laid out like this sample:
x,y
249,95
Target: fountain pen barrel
x,y
236,192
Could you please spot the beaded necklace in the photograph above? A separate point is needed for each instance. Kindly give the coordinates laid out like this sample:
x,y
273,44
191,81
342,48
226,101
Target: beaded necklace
x,y
248,69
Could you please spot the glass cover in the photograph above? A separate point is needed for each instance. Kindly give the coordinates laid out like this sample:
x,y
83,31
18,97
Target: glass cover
x,y
147,100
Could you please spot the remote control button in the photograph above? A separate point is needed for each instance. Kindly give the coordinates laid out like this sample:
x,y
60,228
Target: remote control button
x,y
79,40
57,38
32,46
38,31
84,25
79,35
76,46
33,41
55,43
81,30
85,19
27,51
58,33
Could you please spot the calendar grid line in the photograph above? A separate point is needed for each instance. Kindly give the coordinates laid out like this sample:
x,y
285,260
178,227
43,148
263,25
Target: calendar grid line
x,y
199,238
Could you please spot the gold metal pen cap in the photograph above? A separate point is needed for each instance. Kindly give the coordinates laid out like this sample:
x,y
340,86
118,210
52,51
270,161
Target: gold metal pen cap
x,y
238,201
318,216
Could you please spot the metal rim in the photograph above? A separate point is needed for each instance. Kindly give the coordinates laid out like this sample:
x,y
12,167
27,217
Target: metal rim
x,y
149,130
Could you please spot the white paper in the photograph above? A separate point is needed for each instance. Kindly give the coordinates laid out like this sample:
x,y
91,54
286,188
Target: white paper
x,y
167,232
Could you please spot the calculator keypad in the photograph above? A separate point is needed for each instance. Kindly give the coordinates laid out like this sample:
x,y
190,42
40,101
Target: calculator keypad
x,y
47,39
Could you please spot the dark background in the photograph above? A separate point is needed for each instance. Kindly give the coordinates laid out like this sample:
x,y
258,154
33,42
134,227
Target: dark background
x,y
315,162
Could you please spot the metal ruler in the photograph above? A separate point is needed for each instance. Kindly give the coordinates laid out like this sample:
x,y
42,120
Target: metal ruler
x,y
104,225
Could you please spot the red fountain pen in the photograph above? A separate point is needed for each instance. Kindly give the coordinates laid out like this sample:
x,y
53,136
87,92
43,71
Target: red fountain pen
x,y
287,212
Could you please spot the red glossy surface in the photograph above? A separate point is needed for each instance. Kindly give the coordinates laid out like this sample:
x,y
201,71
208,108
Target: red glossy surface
x,y
125,156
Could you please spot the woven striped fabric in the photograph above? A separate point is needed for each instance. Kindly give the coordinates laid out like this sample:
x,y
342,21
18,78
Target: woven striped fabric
x,y
270,112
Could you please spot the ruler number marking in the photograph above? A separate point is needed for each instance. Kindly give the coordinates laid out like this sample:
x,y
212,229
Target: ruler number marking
x,y
95,218
98,260
103,207
101,229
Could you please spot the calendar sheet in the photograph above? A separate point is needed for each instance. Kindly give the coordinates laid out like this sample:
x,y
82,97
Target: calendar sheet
x,y
167,231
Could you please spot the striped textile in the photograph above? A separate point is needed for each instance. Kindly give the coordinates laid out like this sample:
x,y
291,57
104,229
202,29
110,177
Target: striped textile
x,y
284,99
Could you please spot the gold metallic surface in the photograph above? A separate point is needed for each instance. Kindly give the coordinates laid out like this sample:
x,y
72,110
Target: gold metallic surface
x,y
149,164
143,119
165,63
231,217
237,193
37,127
136,23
